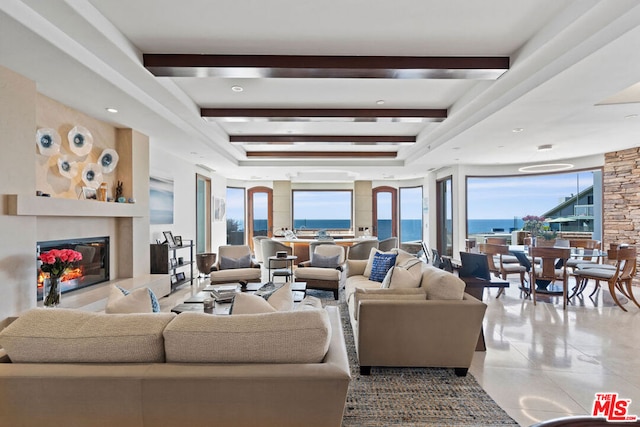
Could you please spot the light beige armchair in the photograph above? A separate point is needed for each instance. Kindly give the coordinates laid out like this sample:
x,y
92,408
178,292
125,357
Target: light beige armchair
x,y
235,264
325,268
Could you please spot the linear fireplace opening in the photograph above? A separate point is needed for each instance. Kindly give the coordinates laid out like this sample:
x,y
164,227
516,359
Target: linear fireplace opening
x,y
93,269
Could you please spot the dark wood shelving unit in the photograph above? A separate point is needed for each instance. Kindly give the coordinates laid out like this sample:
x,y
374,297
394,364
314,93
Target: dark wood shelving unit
x,y
161,256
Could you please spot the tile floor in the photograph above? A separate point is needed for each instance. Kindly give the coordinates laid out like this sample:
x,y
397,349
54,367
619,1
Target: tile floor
x,y
542,362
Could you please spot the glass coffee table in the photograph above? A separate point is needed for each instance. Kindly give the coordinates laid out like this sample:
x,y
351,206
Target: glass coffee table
x,y
195,303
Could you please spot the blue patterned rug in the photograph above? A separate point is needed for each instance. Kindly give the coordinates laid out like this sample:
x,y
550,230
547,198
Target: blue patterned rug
x,y
412,396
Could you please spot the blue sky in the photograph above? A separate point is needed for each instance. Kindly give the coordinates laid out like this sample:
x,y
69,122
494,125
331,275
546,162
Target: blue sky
x,y
508,197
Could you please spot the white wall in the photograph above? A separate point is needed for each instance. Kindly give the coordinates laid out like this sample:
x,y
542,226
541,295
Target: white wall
x,y
183,174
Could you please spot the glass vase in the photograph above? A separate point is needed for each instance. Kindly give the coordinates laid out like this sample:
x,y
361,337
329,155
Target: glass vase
x,y
52,292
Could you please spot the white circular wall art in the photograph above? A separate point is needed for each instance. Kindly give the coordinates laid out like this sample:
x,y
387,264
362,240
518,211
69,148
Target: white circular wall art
x,y
92,175
48,141
67,168
80,140
108,160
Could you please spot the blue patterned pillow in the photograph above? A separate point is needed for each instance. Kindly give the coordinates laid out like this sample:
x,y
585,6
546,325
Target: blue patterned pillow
x,y
381,264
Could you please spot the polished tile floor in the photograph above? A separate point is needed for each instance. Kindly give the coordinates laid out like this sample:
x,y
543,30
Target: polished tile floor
x,y
542,362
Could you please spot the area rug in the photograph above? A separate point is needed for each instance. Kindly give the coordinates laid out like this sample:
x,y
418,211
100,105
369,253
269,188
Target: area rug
x,y
414,396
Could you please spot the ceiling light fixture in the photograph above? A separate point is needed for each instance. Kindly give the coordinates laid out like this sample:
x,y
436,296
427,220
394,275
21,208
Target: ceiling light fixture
x,y
380,102
111,110
631,116
237,88
550,167
517,130
545,147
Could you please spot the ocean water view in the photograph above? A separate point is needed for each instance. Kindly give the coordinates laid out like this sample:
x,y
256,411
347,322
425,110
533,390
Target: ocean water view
x,y
480,226
410,229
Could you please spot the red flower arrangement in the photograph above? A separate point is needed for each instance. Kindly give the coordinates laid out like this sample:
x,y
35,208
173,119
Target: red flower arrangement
x,y
56,262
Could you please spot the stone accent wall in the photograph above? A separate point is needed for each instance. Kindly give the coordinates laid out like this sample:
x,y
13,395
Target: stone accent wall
x,y
621,204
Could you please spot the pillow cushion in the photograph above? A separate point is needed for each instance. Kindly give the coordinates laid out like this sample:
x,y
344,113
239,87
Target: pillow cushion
x,y
279,300
155,304
245,303
44,335
382,262
442,285
386,294
325,261
136,301
300,336
232,263
406,275
282,298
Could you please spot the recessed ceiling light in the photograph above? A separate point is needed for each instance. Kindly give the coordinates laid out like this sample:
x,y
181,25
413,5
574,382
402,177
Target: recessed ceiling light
x,y
517,130
111,110
237,88
545,147
551,167
380,101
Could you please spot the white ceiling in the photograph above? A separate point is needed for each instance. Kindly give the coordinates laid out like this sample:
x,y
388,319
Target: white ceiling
x,y
571,65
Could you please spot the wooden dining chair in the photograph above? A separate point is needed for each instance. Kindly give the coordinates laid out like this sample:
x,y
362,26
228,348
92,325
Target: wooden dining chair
x,y
620,278
497,266
543,267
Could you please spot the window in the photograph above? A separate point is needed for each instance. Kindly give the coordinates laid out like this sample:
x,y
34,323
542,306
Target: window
x,y
411,214
385,217
444,209
203,214
322,209
572,201
235,216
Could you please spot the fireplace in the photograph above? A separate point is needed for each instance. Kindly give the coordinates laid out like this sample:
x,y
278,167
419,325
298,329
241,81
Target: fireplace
x,y
93,269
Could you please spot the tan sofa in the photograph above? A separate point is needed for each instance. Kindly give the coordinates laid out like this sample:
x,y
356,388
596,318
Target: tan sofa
x,y
91,369
433,324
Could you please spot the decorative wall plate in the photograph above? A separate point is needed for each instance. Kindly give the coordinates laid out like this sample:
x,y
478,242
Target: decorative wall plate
x,y
67,168
108,160
48,141
80,140
92,175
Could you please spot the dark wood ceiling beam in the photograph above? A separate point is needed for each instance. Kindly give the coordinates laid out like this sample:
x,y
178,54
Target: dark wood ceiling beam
x,y
323,112
352,139
323,66
322,154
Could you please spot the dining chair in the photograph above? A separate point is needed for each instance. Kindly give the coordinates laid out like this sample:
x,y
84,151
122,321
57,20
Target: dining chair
x,y
497,266
361,250
546,269
387,244
592,249
620,278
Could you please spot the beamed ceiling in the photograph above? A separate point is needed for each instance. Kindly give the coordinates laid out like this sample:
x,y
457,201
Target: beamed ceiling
x,y
357,89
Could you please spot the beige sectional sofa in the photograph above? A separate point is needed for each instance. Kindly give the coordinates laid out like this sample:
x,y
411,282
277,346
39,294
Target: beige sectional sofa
x,y
424,319
72,368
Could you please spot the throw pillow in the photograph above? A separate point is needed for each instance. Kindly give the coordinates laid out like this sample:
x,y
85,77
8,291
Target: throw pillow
x,y
155,304
405,275
245,303
382,262
282,299
325,261
136,301
227,263
279,300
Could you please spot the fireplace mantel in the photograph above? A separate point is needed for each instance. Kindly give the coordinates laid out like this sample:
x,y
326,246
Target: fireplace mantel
x,y
21,204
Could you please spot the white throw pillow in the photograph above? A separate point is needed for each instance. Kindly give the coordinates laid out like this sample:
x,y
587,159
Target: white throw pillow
x,y
399,277
280,300
137,301
244,303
